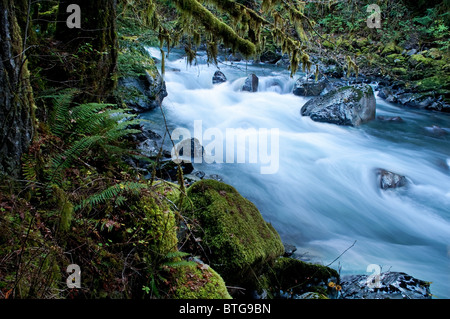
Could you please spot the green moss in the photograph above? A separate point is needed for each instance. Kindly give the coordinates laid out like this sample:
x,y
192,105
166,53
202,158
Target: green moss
x,y
240,242
391,48
399,71
298,277
420,59
395,58
198,282
159,225
439,83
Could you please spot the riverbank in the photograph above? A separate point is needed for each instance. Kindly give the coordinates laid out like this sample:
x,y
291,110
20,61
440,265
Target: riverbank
x,y
194,105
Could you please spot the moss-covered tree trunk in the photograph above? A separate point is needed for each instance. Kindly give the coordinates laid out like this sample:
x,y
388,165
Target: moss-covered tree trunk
x,y
94,45
16,98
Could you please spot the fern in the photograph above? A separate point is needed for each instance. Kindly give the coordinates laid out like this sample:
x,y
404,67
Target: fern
x,y
60,116
111,193
87,127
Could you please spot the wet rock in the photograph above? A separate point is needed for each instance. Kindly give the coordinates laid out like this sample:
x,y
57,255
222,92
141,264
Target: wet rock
x,y
390,180
168,170
200,174
391,285
350,105
312,295
309,88
216,177
143,93
390,119
251,83
219,77
188,150
289,250
436,131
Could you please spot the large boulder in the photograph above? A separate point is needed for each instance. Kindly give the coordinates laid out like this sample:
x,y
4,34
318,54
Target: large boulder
x,y
251,83
350,105
237,242
304,87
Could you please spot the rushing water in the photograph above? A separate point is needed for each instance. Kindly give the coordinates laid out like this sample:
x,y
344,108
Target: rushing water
x,y
325,195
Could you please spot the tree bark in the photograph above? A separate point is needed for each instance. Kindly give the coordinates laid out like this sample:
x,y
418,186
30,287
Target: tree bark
x,y
16,96
95,43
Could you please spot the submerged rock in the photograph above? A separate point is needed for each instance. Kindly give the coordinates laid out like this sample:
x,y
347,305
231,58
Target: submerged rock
x,y
391,285
251,83
391,119
350,105
219,77
390,179
436,131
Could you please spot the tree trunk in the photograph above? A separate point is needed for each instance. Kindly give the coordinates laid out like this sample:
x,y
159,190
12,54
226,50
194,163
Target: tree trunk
x,y
95,43
16,97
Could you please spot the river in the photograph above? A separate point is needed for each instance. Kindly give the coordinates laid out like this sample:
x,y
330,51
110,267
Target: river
x,y
325,194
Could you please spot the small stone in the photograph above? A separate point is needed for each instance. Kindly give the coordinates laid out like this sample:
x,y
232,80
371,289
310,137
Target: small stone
x,y
219,77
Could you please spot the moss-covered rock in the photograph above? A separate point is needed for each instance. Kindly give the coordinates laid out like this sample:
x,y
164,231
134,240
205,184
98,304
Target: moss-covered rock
x,y
197,282
399,71
417,59
295,277
391,48
160,226
236,239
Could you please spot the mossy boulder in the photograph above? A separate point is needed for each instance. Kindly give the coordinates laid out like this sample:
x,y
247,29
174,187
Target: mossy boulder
x,y
395,58
295,277
236,239
417,59
349,105
197,281
391,48
399,71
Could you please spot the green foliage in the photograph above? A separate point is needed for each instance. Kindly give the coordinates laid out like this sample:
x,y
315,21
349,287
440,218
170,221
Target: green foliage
x,y
84,127
112,193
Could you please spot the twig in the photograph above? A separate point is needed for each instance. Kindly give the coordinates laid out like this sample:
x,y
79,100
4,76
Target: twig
x,y
342,254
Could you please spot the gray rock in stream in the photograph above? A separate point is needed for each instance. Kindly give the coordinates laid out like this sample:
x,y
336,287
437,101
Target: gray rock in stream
x,y
304,87
390,180
251,83
389,285
350,105
219,77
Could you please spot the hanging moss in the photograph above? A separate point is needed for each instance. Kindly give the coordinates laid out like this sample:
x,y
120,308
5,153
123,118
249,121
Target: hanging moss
x,y
214,26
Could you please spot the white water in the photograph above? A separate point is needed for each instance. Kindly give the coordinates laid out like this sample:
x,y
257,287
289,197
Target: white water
x,y
325,195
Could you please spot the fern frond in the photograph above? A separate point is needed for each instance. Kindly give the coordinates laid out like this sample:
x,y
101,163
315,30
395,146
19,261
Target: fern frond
x,y
60,116
111,193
